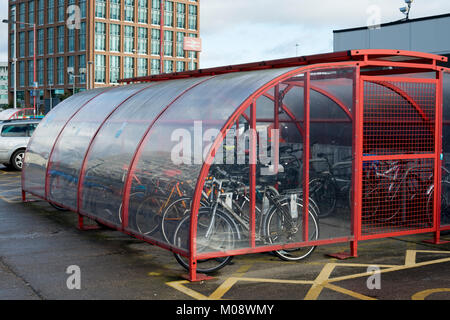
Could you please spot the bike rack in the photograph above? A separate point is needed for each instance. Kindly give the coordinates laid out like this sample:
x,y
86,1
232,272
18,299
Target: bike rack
x,y
118,145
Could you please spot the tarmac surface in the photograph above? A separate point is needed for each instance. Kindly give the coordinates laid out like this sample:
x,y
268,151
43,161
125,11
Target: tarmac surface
x,y
39,247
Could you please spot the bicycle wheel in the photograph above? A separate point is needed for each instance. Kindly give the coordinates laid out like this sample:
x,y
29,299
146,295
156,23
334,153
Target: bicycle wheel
x,y
324,193
173,214
148,215
135,197
218,235
284,229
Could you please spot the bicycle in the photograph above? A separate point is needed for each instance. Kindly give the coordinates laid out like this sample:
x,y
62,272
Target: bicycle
x,y
222,226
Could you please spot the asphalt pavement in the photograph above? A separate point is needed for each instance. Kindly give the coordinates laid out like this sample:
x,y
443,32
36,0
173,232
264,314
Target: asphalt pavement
x,y
44,256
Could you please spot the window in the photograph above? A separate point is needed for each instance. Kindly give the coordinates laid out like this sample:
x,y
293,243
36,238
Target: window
x,y
142,11
114,69
142,67
50,11
71,40
156,37
60,39
180,39
181,15
114,10
128,39
60,66
100,36
70,63
40,12
40,42
61,10
156,12
50,40
22,14
82,37
114,37
168,43
22,44
30,73
18,130
128,67
100,8
82,64
82,4
168,14
142,40
30,43
12,16
168,66
129,10
50,71
40,72
180,66
99,72
21,73
31,11
192,17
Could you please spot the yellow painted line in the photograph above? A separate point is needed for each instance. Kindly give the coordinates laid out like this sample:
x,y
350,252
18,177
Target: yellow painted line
x,y
11,200
348,292
223,288
410,257
425,293
398,268
276,280
178,285
317,286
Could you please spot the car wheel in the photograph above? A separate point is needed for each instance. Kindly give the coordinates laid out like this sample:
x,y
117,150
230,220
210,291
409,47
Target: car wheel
x,y
17,159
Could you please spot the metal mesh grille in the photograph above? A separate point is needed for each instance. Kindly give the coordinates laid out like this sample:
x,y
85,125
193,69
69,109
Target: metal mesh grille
x,y
399,123
399,118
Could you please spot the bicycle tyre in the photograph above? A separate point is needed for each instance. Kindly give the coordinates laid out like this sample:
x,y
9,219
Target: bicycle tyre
x,y
287,254
217,263
324,193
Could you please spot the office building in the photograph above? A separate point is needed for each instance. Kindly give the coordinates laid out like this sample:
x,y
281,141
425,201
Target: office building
x,y
100,41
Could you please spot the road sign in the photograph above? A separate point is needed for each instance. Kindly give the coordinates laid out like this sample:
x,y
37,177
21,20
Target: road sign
x,y
192,44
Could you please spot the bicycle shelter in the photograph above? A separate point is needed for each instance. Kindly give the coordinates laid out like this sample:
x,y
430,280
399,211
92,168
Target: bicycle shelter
x,y
374,125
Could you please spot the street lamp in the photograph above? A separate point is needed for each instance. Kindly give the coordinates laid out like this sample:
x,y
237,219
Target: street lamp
x,y
406,10
81,72
34,60
14,63
50,85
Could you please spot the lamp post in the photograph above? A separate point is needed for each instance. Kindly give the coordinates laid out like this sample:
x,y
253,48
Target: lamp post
x,y
88,78
50,85
70,71
34,58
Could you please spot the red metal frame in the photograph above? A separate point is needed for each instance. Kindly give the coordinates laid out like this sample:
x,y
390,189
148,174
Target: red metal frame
x,y
358,59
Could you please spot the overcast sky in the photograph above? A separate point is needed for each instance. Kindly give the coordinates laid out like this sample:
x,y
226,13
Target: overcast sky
x,y
238,31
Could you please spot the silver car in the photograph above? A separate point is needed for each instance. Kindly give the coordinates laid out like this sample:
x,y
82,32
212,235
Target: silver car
x,y
14,136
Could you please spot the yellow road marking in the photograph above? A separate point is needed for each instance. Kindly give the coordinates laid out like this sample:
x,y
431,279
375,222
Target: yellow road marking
x,y
348,292
323,280
317,286
425,293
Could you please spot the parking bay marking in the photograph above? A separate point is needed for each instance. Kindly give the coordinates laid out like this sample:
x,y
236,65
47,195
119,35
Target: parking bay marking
x,y
323,280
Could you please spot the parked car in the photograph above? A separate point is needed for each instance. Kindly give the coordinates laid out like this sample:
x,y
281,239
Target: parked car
x,y
14,136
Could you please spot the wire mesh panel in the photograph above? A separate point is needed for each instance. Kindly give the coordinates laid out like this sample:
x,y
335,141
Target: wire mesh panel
x,y
398,156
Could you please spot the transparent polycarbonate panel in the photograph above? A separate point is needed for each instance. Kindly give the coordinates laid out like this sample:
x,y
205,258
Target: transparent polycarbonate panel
x,y
70,149
445,185
44,137
114,146
173,154
330,186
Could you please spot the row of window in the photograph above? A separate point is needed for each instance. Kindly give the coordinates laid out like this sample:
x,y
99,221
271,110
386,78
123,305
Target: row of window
x,y
56,11
53,67
49,38
142,40
131,64
175,14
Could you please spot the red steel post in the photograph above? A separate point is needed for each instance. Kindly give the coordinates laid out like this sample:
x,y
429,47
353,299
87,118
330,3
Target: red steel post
x,y
306,154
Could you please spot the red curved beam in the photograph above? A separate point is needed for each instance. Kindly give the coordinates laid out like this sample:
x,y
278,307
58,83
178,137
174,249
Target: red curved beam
x,y
88,151
137,154
404,95
57,140
206,165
